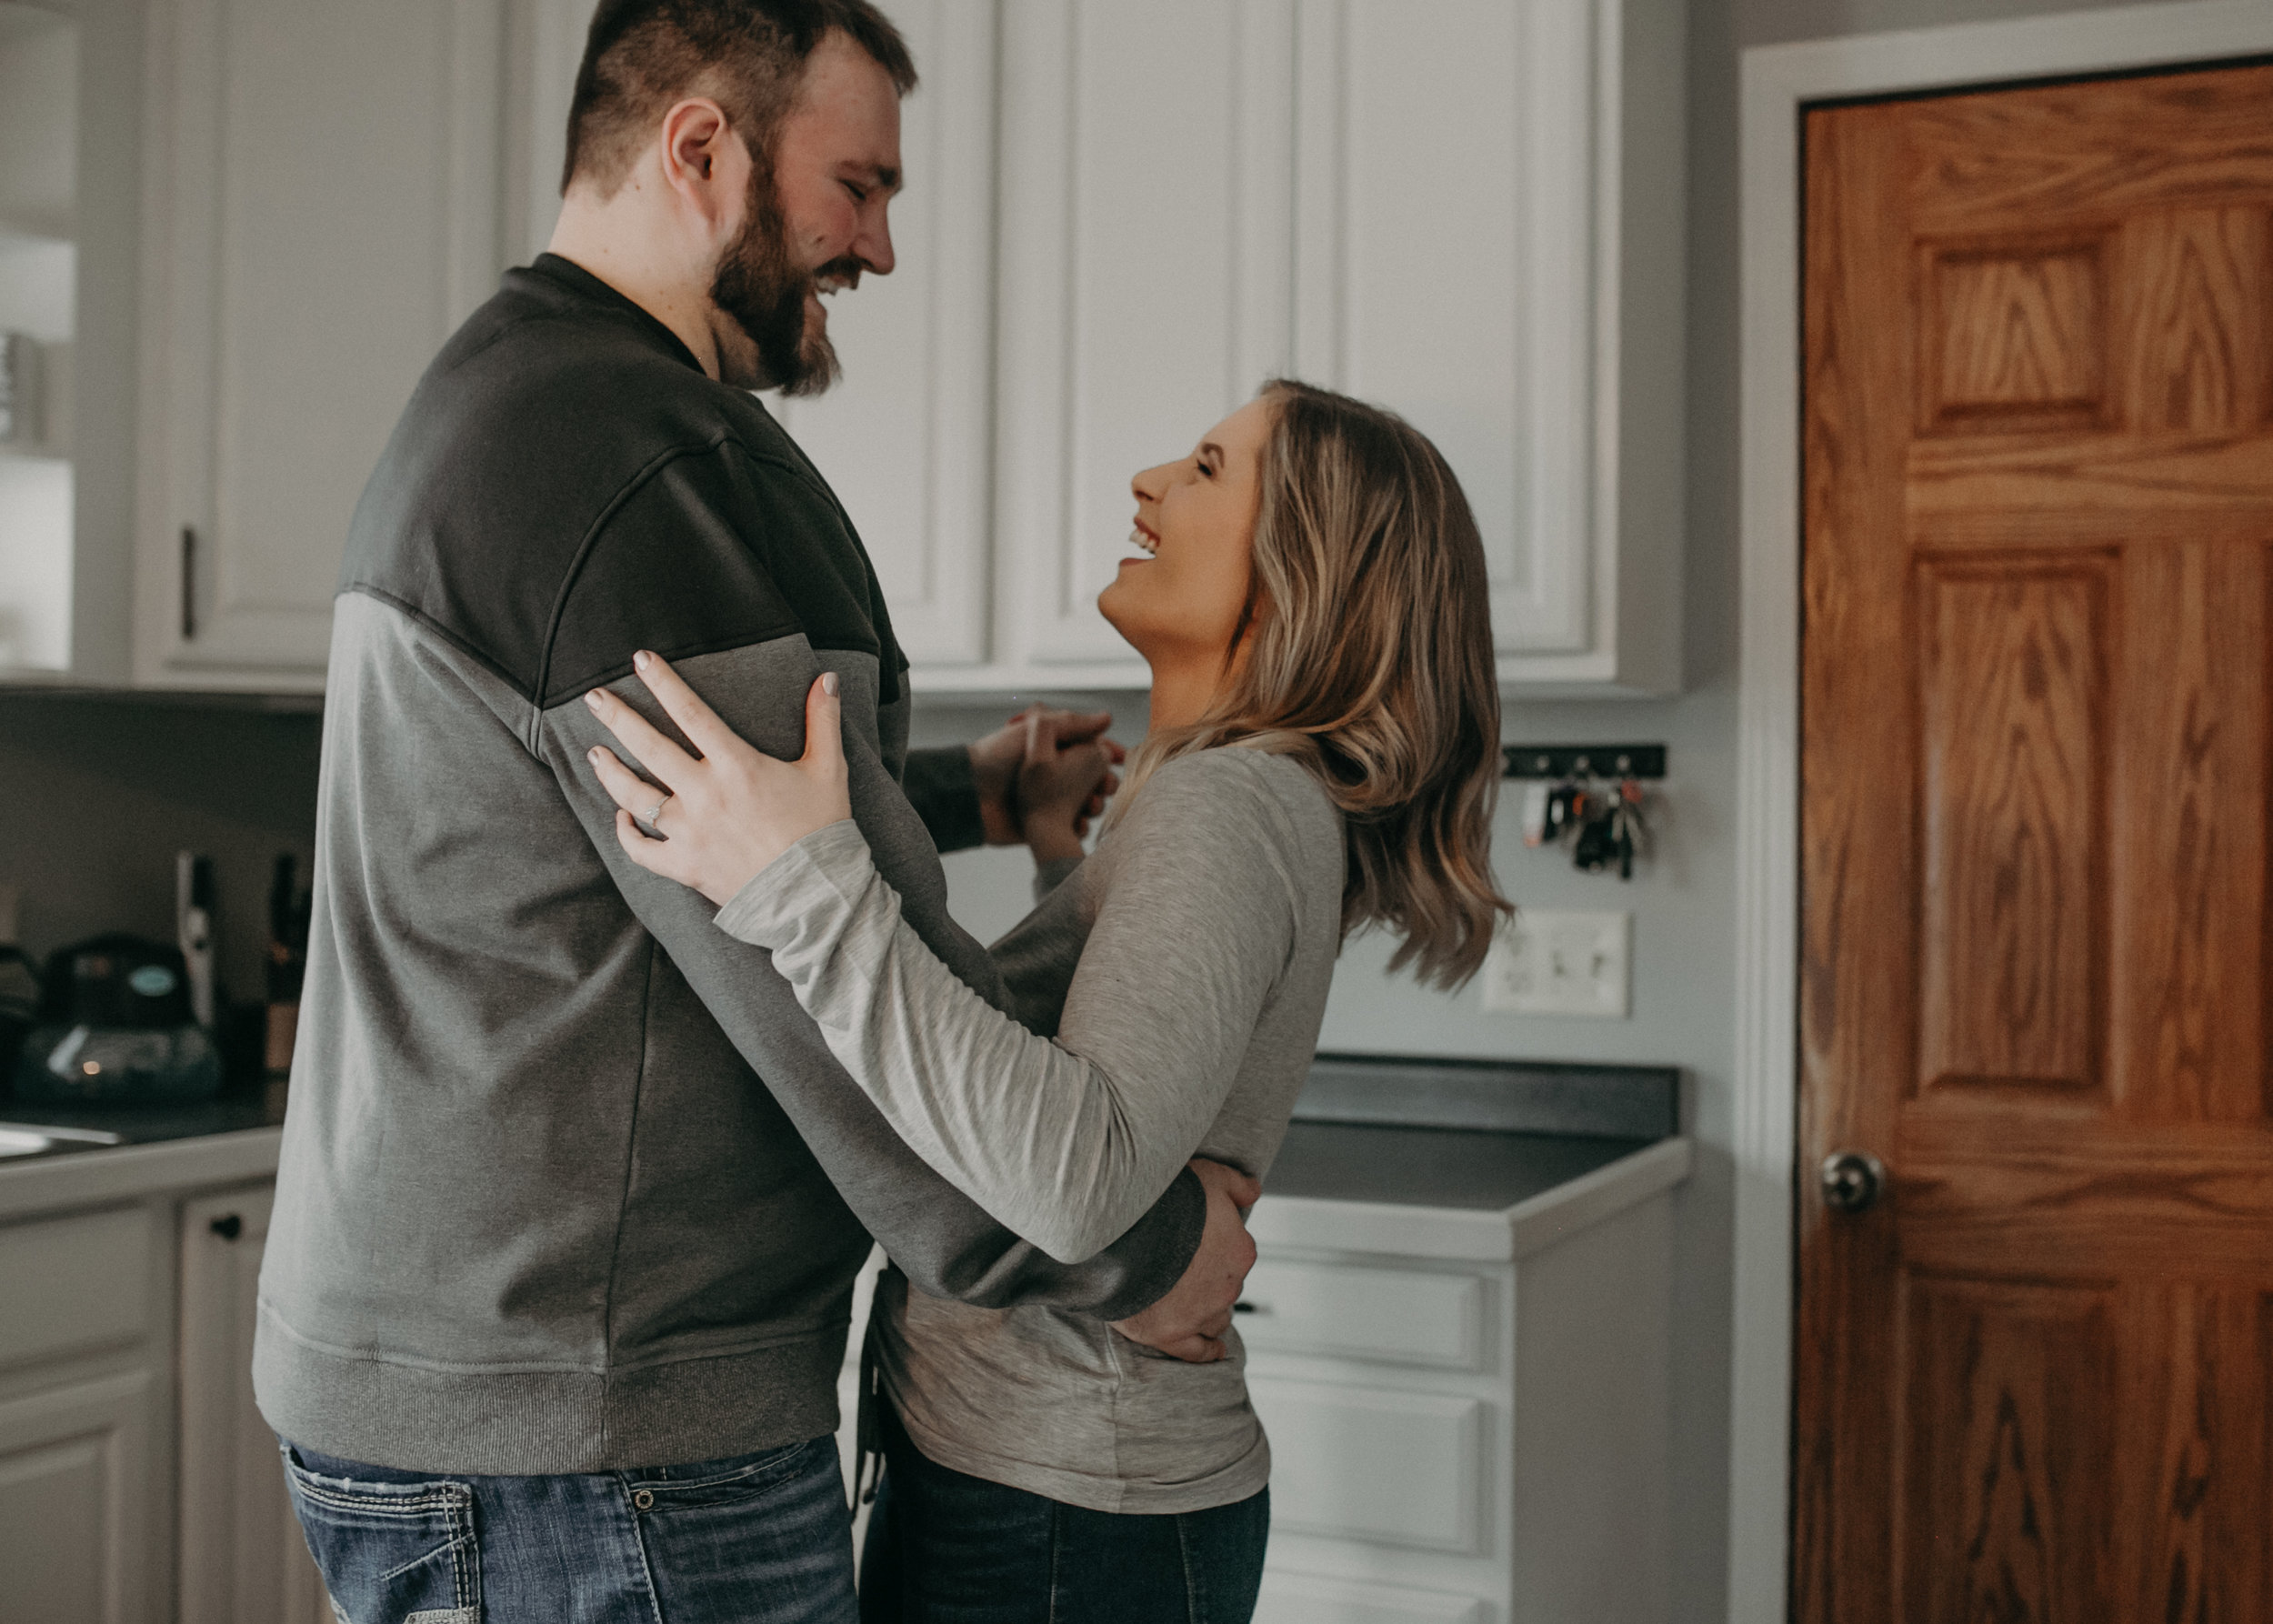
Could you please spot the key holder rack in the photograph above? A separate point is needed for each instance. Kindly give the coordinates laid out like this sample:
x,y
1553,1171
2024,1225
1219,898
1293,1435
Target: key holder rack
x,y
1589,796
1645,762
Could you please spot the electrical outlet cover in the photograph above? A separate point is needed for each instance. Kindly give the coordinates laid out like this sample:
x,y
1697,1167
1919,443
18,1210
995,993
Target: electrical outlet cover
x,y
1546,963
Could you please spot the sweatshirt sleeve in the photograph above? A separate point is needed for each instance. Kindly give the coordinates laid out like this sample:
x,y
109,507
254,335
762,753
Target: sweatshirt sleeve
x,y
943,1241
939,786
1068,1141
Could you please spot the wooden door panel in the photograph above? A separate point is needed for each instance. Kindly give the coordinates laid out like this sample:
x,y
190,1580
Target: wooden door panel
x,y
2013,336
2013,759
2009,1412
2080,1192
2196,362
2190,981
2035,1381
2099,150
2194,1450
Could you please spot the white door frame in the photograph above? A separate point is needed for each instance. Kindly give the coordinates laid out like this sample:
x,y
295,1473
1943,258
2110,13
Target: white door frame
x,y
1777,81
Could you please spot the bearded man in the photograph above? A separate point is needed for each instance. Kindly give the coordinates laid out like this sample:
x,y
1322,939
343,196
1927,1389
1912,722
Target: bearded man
x,y
573,1194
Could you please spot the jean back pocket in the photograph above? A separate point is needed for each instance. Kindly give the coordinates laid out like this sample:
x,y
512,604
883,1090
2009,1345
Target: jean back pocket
x,y
391,1553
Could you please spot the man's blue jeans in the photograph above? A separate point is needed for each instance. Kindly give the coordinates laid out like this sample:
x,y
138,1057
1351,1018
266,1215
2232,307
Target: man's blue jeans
x,y
761,1539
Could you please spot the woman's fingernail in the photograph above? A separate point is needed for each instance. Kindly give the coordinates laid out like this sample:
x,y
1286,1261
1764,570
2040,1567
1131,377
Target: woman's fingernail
x,y
641,659
829,684
592,698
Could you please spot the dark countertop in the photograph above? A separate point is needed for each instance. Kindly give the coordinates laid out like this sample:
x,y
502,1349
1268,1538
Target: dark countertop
x,y
152,1125
1433,1167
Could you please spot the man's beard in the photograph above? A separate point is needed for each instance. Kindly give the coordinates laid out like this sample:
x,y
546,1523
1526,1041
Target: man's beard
x,y
760,287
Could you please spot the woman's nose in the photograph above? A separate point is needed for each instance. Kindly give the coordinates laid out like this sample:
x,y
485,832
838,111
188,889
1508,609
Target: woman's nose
x,y
1147,486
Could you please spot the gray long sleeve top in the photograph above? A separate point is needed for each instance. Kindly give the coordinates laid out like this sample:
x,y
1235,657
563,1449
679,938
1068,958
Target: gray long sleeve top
x,y
1177,979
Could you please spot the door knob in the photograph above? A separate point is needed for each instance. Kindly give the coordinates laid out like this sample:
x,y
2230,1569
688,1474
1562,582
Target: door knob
x,y
1853,1180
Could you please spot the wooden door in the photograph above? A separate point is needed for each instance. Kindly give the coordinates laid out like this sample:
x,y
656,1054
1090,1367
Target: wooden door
x,y
2033,1380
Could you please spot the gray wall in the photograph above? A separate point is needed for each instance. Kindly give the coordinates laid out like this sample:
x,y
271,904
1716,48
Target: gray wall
x,y
97,794
94,797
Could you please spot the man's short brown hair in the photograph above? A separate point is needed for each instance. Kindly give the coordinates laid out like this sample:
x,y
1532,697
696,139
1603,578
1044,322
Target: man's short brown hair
x,y
643,57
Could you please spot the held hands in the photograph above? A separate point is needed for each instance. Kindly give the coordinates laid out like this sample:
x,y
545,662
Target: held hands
x,y
1042,778
730,811
1190,1321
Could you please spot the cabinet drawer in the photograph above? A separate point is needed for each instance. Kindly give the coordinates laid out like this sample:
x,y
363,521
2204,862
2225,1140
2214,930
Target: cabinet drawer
x,y
76,1283
1305,1598
1349,1311
1368,1463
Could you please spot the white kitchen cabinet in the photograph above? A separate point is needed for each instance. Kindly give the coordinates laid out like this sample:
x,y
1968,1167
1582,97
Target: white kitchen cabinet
x,y
125,1348
1122,215
1468,1411
82,1410
1489,239
74,1508
904,437
1147,209
321,205
242,1555
1470,212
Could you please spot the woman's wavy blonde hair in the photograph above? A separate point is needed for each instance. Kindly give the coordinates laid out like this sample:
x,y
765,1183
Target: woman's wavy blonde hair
x,y
1368,656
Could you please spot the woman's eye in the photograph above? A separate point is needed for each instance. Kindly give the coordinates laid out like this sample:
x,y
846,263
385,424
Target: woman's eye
x,y
860,194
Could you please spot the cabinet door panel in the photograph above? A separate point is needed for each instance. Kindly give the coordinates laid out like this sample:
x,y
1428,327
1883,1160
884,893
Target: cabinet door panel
x,y
1445,266
321,211
1369,1463
906,436
45,1269
242,1557
74,1466
1147,205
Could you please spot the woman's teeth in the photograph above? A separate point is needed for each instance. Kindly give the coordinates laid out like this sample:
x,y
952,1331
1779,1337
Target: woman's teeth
x,y
1142,542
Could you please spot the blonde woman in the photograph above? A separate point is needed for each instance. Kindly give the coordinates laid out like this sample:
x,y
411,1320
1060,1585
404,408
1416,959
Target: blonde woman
x,y
1309,592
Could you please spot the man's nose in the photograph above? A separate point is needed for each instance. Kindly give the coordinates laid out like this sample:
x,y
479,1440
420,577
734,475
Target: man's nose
x,y
873,247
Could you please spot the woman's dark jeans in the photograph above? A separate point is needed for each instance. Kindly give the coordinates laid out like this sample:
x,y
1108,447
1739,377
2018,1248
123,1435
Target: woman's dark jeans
x,y
944,1547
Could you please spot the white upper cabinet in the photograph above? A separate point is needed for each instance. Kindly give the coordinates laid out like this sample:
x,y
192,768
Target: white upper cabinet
x,y
1145,219
1122,217
906,435
1468,211
1488,240
321,210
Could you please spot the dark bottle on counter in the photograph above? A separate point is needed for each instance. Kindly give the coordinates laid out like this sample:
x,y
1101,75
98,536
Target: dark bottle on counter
x,y
288,914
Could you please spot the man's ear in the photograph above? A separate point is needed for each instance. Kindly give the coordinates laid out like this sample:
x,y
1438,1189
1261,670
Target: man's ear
x,y
705,164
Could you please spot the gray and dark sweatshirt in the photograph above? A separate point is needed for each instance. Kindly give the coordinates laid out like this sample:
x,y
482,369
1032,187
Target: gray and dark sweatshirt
x,y
569,1181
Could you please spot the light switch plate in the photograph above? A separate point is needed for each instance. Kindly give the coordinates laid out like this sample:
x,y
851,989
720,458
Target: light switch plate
x,y
1548,963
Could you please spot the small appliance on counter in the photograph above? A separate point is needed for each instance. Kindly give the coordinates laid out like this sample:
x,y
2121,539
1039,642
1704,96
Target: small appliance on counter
x,y
116,1027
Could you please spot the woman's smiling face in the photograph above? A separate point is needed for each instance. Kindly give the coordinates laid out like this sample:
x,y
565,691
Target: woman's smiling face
x,y
1180,597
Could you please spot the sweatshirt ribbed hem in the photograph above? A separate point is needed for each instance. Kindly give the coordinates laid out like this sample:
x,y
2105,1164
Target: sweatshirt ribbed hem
x,y
548,1422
